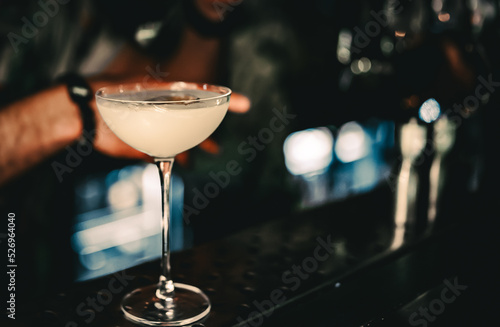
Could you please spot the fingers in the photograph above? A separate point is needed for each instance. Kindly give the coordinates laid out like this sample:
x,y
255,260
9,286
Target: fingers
x,y
182,158
134,154
210,146
117,148
239,103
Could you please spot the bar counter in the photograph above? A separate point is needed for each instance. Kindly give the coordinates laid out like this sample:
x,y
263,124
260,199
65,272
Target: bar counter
x,y
329,266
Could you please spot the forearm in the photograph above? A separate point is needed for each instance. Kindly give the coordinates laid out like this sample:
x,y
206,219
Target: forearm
x,y
35,128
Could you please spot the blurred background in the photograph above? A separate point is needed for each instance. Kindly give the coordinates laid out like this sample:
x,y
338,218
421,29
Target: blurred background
x,y
348,98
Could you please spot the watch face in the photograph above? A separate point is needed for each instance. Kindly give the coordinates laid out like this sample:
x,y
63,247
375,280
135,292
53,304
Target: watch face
x,y
80,91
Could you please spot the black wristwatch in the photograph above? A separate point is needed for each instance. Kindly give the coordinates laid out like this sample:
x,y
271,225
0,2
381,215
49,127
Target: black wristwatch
x,y
81,94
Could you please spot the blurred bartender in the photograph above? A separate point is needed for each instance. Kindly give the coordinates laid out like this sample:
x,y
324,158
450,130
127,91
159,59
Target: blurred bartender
x,y
39,120
115,42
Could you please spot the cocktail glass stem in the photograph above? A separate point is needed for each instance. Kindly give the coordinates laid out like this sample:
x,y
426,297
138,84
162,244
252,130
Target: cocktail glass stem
x,y
166,289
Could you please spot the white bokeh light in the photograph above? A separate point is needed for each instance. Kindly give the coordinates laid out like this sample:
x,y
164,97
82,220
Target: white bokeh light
x,y
308,151
429,111
352,143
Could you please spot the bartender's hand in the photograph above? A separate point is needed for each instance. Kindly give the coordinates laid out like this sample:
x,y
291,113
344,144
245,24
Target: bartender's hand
x,y
36,127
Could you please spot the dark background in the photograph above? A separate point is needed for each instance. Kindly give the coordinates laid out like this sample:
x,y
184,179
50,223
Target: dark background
x,y
299,40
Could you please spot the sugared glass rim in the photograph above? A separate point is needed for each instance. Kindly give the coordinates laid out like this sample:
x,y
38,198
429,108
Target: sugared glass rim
x,y
174,86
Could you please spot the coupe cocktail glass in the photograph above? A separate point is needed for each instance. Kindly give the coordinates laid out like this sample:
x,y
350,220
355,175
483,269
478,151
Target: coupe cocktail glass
x,y
163,121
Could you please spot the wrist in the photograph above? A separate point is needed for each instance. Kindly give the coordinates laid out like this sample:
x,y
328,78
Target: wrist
x,y
81,95
69,124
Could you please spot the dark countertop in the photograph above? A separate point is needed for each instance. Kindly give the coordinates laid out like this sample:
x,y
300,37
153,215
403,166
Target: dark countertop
x,y
329,266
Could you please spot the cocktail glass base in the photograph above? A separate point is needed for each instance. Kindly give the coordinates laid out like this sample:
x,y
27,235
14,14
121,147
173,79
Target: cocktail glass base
x,y
188,305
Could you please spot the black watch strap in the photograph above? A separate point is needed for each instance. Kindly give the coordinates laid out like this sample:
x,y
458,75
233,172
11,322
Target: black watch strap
x,y
81,94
